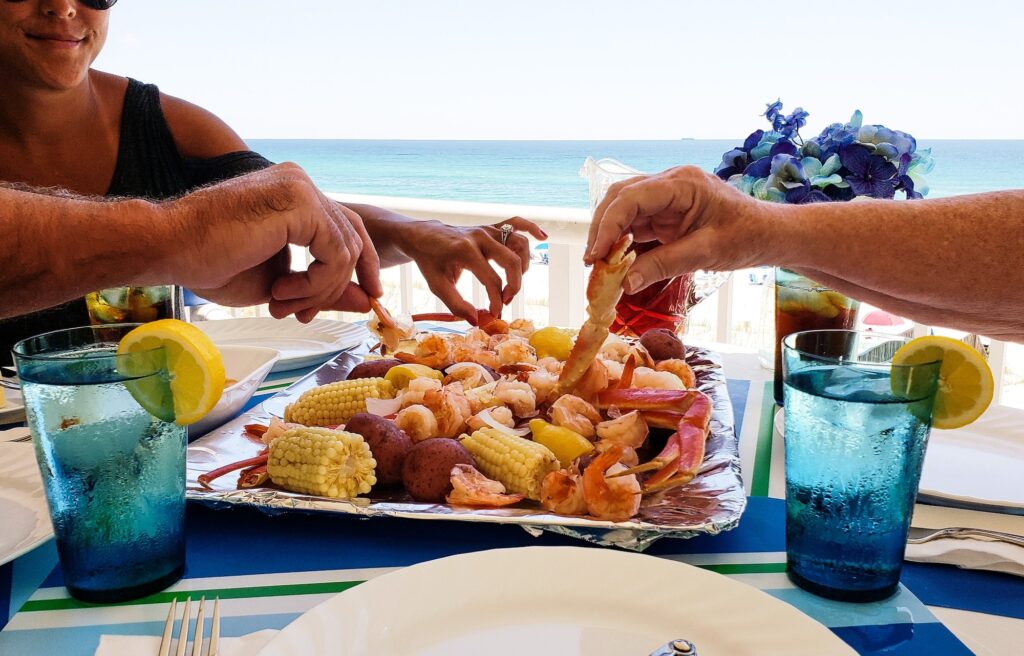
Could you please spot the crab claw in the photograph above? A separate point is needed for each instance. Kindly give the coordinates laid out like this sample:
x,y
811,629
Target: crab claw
x,y
679,461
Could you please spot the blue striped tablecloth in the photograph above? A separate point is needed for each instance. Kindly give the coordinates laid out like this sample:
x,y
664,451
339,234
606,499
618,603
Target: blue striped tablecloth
x,y
267,570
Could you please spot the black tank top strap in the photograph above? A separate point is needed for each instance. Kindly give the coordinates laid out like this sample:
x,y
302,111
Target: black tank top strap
x,y
148,163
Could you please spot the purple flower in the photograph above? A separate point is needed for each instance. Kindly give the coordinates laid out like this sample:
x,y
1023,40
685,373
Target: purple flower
x,y
773,111
804,194
869,175
760,168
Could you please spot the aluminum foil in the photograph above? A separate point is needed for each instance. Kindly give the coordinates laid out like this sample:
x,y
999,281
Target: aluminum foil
x,y
711,503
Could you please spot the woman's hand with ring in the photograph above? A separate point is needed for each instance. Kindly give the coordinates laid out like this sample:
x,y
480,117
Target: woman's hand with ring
x,y
442,252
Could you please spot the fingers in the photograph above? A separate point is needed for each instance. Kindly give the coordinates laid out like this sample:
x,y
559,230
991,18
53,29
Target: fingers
x,y
520,224
353,299
443,287
336,247
667,261
513,265
490,279
595,223
368,264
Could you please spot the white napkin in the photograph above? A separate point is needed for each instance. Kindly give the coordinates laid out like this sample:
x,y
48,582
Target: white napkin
x,y
968,553
127,645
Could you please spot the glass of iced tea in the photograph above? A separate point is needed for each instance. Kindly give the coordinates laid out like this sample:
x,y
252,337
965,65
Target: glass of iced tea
x,y
802,304
132,304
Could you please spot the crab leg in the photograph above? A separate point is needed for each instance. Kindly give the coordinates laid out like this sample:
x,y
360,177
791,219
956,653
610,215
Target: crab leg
x,y
689,412
603,291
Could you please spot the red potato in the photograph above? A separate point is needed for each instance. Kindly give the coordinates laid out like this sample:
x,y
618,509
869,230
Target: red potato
x,y
373,368
388,443
663,344
428,468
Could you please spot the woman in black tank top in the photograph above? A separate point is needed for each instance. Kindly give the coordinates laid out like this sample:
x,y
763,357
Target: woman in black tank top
x,y
66,125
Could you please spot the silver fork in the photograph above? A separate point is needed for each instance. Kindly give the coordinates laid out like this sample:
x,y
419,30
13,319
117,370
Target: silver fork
x,y
182,640
922,535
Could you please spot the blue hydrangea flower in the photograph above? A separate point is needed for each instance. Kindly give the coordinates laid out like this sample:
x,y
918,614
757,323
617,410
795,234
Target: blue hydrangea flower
x,y
869,174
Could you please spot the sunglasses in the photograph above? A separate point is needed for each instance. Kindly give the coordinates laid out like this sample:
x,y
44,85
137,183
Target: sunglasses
x,y
98,5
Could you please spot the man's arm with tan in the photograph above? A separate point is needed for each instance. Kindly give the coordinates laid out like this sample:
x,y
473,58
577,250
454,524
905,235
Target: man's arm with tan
x,y
57,248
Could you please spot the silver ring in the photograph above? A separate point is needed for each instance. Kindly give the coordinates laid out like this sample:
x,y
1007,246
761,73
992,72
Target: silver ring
x,y
506,230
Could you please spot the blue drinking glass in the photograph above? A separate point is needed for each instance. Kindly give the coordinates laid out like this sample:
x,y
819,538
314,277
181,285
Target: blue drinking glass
x,y
856,429
113,470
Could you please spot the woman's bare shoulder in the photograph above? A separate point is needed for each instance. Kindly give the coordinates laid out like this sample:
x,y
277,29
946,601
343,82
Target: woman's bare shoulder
x,y
198,132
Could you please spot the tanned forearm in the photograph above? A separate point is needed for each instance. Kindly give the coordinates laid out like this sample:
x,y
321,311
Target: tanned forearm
x,y
952,261
386,231
59,247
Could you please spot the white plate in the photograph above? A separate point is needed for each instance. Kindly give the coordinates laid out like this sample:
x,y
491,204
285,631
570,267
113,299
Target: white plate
x,y
977,465
301,345
247,366
13,411
551,600
23,513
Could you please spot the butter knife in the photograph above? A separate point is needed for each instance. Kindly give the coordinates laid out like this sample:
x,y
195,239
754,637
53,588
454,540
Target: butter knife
x,y
922,535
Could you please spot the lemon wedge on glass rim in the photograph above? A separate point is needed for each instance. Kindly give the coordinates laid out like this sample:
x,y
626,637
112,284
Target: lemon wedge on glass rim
x,y
966,386
194,364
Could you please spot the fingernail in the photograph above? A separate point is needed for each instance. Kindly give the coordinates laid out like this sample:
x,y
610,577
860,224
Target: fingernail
x,y
633,282
544,233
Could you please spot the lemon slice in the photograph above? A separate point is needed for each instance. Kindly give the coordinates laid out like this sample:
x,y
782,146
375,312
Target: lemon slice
x,y
966,386
400,375
193,362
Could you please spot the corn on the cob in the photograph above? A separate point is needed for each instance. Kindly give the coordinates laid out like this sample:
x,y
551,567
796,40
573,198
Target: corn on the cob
x,y
518,463
335,403
323,462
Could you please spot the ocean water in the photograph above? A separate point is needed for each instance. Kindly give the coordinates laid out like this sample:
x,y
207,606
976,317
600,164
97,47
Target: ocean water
x,y
547,172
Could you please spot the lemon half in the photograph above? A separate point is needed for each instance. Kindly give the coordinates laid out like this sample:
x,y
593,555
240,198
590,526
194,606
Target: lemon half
x,y
966,386
195,366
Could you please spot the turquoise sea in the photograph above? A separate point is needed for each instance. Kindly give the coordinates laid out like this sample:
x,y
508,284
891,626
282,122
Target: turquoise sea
x,y
547,172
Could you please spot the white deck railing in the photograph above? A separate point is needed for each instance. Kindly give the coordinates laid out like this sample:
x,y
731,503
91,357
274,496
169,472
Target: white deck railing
x,y
567,235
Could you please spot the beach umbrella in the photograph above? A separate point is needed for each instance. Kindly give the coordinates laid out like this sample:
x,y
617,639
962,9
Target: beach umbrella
x,y
882,318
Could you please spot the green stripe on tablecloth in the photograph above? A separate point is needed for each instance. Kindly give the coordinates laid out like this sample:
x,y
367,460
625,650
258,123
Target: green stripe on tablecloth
x,y
264,388
751,568
329,587
763,454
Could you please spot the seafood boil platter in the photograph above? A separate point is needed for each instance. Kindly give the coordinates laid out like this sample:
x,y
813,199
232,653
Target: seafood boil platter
x,y
617,441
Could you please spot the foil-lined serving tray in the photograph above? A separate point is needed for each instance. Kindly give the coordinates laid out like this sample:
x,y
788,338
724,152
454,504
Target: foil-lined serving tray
x,y
711,503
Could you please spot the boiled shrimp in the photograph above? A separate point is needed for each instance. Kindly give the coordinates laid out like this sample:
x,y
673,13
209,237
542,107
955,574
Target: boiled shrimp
x,y
543,384
574,413
413,393
554,365
680,369
519,397
469,376
647,378
615,499
471,488
521,328
629,457
594,381
475,353
418,422
500,414
629,430
482,397
615,349
562,492
451,408
432,350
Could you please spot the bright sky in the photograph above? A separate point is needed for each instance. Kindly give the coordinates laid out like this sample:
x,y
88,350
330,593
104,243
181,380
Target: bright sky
x,y
576,69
